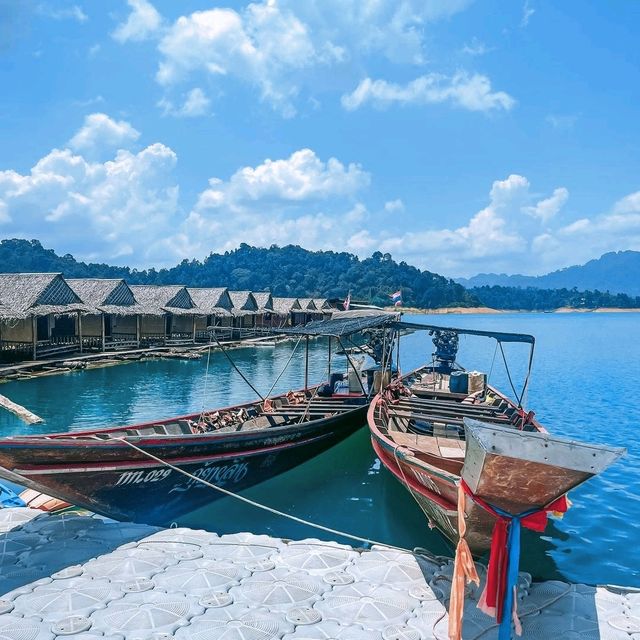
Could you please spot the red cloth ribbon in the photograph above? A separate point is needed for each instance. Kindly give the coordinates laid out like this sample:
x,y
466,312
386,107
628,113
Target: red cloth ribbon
x,y
494,593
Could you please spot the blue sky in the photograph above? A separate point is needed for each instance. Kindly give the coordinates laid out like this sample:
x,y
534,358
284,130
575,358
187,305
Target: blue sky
x,y
459,136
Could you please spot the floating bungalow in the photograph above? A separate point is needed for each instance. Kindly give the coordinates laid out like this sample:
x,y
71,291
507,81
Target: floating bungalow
x,y
40,315
44,314
115,319
323,305
217,312
268,316
286,308
308,311
169,314
245,309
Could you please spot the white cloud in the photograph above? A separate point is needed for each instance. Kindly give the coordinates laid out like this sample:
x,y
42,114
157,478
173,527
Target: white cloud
x,y
95,210
101,133
562,123
278,46
195,104
301,177
527,12
469,92
495,238
73,12
546,209
394,206
142,23
628,204
476,48
262,46
300,199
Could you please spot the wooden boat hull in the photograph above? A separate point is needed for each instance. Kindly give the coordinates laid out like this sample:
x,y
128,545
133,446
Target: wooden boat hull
x,y
512,469
113,479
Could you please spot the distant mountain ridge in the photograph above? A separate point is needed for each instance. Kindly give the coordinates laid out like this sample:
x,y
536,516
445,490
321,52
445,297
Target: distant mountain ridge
x,y
617,272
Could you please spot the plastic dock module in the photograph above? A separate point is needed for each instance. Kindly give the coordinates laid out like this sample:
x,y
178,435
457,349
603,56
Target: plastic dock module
x,y
88,578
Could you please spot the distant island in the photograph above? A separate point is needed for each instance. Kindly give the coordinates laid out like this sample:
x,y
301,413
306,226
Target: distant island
x,y
294,271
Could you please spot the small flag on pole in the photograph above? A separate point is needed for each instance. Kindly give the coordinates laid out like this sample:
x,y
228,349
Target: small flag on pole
x,y
347,303
397,298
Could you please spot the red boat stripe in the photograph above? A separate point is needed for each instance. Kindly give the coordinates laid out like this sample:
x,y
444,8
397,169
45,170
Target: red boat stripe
x,y
134,464
405,479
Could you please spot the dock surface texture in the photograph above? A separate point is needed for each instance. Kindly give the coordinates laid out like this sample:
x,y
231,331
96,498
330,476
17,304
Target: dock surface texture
x,y
88,578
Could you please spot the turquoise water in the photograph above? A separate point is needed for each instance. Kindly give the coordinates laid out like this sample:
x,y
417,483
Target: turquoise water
x,y
585,386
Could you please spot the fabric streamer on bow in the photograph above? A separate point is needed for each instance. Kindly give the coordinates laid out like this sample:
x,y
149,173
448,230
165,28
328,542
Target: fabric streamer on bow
x,y
464,571
499,596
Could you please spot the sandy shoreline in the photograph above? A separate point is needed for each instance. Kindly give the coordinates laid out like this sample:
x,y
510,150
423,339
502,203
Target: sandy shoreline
x,y
490,311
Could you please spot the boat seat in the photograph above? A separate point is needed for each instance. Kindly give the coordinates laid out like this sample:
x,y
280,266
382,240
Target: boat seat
x,y
176,429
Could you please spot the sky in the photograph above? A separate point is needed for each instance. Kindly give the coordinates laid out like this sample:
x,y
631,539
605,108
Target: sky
x,y
459,136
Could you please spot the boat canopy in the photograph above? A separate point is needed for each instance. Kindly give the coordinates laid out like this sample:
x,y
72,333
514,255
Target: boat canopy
x,y
500,336
344,323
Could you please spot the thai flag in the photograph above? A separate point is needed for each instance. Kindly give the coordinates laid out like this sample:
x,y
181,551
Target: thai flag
x,y
347,303
397,298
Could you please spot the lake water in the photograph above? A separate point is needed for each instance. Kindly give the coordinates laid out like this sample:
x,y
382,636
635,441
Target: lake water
x,y
585,385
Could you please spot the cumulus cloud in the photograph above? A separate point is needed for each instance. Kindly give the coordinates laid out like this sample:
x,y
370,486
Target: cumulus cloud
x,y
493,239
277,46
549,207
262,46
300,199
195,104
472,92
142,23
96,210
394,206
300,177
101,133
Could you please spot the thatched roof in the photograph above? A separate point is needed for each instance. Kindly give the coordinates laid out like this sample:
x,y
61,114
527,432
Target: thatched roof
x,y
156,300
264,300
106,295
39,294
307,304
243,302
322,303
212,301
285,305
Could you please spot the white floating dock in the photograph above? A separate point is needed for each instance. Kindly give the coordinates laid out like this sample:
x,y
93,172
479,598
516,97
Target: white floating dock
x,y
88,578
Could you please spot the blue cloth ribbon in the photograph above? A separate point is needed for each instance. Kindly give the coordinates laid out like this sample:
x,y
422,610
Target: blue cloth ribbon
x,y
513,562
9,498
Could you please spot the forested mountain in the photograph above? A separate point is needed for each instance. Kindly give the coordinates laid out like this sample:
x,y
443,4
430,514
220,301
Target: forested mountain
x,y
534,299
617,272
285,271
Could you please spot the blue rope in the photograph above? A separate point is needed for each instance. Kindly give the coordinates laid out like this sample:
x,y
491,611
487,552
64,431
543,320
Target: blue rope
x,y
513,562
9,498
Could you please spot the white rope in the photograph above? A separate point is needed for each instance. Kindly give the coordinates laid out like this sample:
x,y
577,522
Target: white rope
x,y
258,505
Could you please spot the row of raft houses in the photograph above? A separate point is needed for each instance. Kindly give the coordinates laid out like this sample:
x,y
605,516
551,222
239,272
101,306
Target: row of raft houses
x,y
44,314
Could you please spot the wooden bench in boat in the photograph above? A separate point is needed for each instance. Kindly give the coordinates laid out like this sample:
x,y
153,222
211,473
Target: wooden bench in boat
x,y
463,410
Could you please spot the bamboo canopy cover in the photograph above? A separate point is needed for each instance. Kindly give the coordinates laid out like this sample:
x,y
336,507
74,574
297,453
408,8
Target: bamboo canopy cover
x,y
37,294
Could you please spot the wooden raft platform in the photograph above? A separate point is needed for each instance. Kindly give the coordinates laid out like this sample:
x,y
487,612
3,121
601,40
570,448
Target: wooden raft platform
x,y
87,577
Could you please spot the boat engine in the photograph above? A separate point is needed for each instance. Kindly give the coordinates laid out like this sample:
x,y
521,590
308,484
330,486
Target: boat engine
x,y
446,349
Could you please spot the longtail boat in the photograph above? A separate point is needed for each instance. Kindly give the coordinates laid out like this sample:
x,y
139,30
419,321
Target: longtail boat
x,y
441,429
137,473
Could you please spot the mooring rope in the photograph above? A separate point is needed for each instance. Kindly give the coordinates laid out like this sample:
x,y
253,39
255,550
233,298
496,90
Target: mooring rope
x,y
264,507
